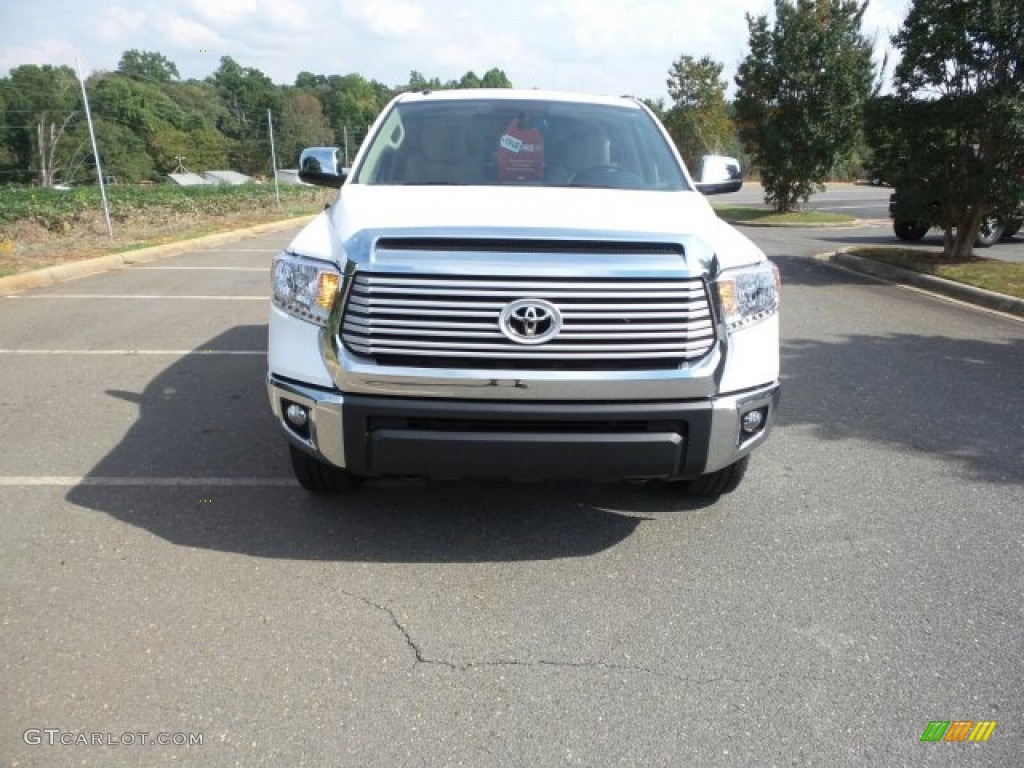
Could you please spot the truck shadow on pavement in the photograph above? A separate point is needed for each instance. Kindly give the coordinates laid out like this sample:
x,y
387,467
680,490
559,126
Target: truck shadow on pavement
x,y
205,466
926,394
811,273
957,398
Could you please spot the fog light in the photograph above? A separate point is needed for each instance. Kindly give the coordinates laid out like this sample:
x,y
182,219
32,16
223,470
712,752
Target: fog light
x,y
296,415
752,421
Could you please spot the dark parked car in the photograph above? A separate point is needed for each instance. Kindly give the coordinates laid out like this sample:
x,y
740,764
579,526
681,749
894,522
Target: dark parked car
x,y
911,220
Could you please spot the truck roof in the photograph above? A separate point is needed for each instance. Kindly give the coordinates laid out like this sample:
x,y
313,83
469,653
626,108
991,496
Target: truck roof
x,y
515,94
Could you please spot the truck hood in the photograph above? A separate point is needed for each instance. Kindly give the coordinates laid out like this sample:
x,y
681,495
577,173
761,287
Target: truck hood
x,y
369,212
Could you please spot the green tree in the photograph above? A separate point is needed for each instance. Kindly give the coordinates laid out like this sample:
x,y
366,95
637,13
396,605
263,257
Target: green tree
x,y
657,106
8,168
147,65
123,151
208,147
801,94
355,103
43,102
143,111
470,80
417,82
247,94
952,134
301,124
699,120
308,81
134,103
495,78
166,120
199,100
349,102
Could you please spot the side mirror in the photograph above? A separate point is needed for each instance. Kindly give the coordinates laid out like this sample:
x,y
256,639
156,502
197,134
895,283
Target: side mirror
x,y
320,166
719,175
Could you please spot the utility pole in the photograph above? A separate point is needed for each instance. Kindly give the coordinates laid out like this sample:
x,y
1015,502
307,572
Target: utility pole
x,y
273,157
95,150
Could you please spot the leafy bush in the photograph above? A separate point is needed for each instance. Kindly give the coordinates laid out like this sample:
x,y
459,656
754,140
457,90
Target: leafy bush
x,y
59,210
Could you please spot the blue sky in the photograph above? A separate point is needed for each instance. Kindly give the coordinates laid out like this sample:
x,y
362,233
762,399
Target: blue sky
x,y
600,46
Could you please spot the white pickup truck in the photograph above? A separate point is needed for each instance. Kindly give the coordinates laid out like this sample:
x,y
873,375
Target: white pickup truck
x,y
521,284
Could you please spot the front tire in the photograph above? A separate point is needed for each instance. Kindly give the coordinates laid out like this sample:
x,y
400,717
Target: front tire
x,y
990,232
714,484
319,477
910,231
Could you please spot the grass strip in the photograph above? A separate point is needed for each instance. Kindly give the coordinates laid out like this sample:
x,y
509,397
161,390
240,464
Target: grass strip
x,y
1004,277
743,214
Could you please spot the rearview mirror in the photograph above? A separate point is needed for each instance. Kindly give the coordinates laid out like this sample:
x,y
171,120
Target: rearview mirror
x,y
320,166
719,174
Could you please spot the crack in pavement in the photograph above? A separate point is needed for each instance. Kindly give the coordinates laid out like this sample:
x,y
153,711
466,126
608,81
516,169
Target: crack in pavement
x,y
421,658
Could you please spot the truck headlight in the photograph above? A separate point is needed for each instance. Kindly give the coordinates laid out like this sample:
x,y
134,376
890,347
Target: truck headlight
x,y
749,294
305,288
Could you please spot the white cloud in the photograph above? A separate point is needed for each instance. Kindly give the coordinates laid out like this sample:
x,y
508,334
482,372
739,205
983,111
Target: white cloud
x,y
220,12
288,14
604,46
388,18
480,53
56,53
186,33
615,28
118,24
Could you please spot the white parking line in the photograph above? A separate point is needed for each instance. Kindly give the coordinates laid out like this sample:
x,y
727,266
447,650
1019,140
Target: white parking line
x,y
109,296
209,269
237,250
171,352
865,201
164,482
830,207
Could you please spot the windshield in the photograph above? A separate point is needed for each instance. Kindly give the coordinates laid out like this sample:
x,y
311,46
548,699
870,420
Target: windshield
x,y
521,142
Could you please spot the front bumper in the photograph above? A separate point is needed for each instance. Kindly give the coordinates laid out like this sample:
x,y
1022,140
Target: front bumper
x,y
374,435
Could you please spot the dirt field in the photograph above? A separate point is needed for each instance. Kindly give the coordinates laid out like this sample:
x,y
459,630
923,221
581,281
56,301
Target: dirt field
x,y
27,245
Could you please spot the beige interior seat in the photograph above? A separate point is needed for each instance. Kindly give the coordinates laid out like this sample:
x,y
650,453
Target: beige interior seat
x,y
445,156
585,148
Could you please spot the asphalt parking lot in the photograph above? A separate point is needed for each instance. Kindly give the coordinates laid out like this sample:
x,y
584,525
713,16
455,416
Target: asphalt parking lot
x,y
162,574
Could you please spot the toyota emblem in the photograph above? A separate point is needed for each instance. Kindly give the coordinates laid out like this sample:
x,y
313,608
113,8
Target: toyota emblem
x,y
530,321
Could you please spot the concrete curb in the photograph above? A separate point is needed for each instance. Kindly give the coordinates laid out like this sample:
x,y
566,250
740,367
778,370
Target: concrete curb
x,y
968,293
785,225
852,224
41,278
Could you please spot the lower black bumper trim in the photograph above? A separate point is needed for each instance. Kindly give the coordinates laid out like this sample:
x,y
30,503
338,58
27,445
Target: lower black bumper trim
x,y
388,436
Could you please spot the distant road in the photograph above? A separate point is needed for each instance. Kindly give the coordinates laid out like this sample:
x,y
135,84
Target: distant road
x,y
871,206
858,200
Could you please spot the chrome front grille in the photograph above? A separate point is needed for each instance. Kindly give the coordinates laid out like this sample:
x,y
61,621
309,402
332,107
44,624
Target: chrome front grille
x,y
453,322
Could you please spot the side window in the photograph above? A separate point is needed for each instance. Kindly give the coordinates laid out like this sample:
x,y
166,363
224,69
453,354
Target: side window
x,y
381,163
